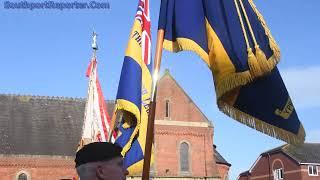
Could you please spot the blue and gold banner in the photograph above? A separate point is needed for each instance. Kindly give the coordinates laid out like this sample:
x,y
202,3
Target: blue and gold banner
x,y
233,39
134,91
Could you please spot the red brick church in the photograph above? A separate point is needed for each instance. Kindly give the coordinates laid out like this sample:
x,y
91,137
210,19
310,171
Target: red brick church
x,y
39,136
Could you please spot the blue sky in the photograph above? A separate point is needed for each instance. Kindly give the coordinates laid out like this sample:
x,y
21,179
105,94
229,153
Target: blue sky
x,y
46,52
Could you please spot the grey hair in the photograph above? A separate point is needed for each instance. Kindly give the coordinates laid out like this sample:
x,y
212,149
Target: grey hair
x,y
87,171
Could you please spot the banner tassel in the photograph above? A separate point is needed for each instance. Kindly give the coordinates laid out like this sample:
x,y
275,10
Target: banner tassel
x,y
253,63
262,60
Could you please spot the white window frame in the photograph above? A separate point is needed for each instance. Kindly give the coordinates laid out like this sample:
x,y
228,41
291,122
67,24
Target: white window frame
x,y
277,174
313,173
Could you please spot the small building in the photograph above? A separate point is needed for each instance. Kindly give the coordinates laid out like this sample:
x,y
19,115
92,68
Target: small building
x,y
39,137
223,165
287,162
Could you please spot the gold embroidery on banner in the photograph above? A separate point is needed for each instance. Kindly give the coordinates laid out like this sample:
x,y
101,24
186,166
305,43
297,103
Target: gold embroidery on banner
x,y
286,111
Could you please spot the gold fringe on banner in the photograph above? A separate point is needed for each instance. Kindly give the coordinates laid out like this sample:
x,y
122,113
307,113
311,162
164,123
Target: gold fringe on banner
x,y
184,44
261,125
129,107
229,78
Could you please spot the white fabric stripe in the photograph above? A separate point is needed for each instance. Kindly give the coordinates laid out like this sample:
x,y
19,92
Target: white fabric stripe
x,y
92,120
88,129
97,109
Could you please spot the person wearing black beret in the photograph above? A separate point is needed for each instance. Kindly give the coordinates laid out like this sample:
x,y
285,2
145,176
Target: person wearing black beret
x,y
100,161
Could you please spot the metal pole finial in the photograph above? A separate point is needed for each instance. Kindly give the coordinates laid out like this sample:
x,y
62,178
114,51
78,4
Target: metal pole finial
x,y
94,41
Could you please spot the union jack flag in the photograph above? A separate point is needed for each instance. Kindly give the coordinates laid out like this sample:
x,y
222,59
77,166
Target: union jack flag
x,y
134,91
143,17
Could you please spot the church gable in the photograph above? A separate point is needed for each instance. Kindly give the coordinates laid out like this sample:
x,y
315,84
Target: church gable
x,y
175,105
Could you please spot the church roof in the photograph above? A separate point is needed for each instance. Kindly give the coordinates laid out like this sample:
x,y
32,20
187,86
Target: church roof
x,y
304,153
41,125
218,157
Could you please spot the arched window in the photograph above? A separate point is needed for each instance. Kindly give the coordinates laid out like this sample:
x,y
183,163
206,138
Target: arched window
x,y
184,157
167,109
22,176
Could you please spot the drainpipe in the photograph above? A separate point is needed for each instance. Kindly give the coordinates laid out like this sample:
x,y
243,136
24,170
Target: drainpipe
x,y
269,165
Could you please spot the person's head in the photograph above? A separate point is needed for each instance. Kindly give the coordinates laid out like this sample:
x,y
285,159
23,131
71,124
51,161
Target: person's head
x,y
101,161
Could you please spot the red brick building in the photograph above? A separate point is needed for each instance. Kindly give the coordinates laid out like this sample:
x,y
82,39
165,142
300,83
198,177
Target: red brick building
x,y
39,136
184,136
287,162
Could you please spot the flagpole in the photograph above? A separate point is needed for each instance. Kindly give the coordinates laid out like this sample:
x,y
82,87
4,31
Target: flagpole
x,y
94,44
114,114
95,48
151,117
113,122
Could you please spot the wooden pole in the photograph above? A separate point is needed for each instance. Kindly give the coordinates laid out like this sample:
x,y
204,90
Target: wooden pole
x,y
112,123
151,117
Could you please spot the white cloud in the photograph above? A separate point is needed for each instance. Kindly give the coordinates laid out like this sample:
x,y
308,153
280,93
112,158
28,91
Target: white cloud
x,y
303,85
313,136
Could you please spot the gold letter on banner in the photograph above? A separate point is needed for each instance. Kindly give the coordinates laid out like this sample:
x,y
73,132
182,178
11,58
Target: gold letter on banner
x,y
286,111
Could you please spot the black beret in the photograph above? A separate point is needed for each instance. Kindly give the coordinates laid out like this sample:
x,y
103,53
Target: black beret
x,y
97,151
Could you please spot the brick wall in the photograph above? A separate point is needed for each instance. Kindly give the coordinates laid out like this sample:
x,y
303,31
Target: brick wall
x,y
305,174
170,132
275,161
37,167
223,170
291,169
181,106
168,140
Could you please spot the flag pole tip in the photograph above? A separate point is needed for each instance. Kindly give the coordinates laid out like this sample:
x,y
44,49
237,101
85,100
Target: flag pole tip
x,y
94,44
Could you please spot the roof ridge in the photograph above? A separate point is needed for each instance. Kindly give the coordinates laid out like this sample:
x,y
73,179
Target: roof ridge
x,y
44,97
274,149
298,153
285,147
50,97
